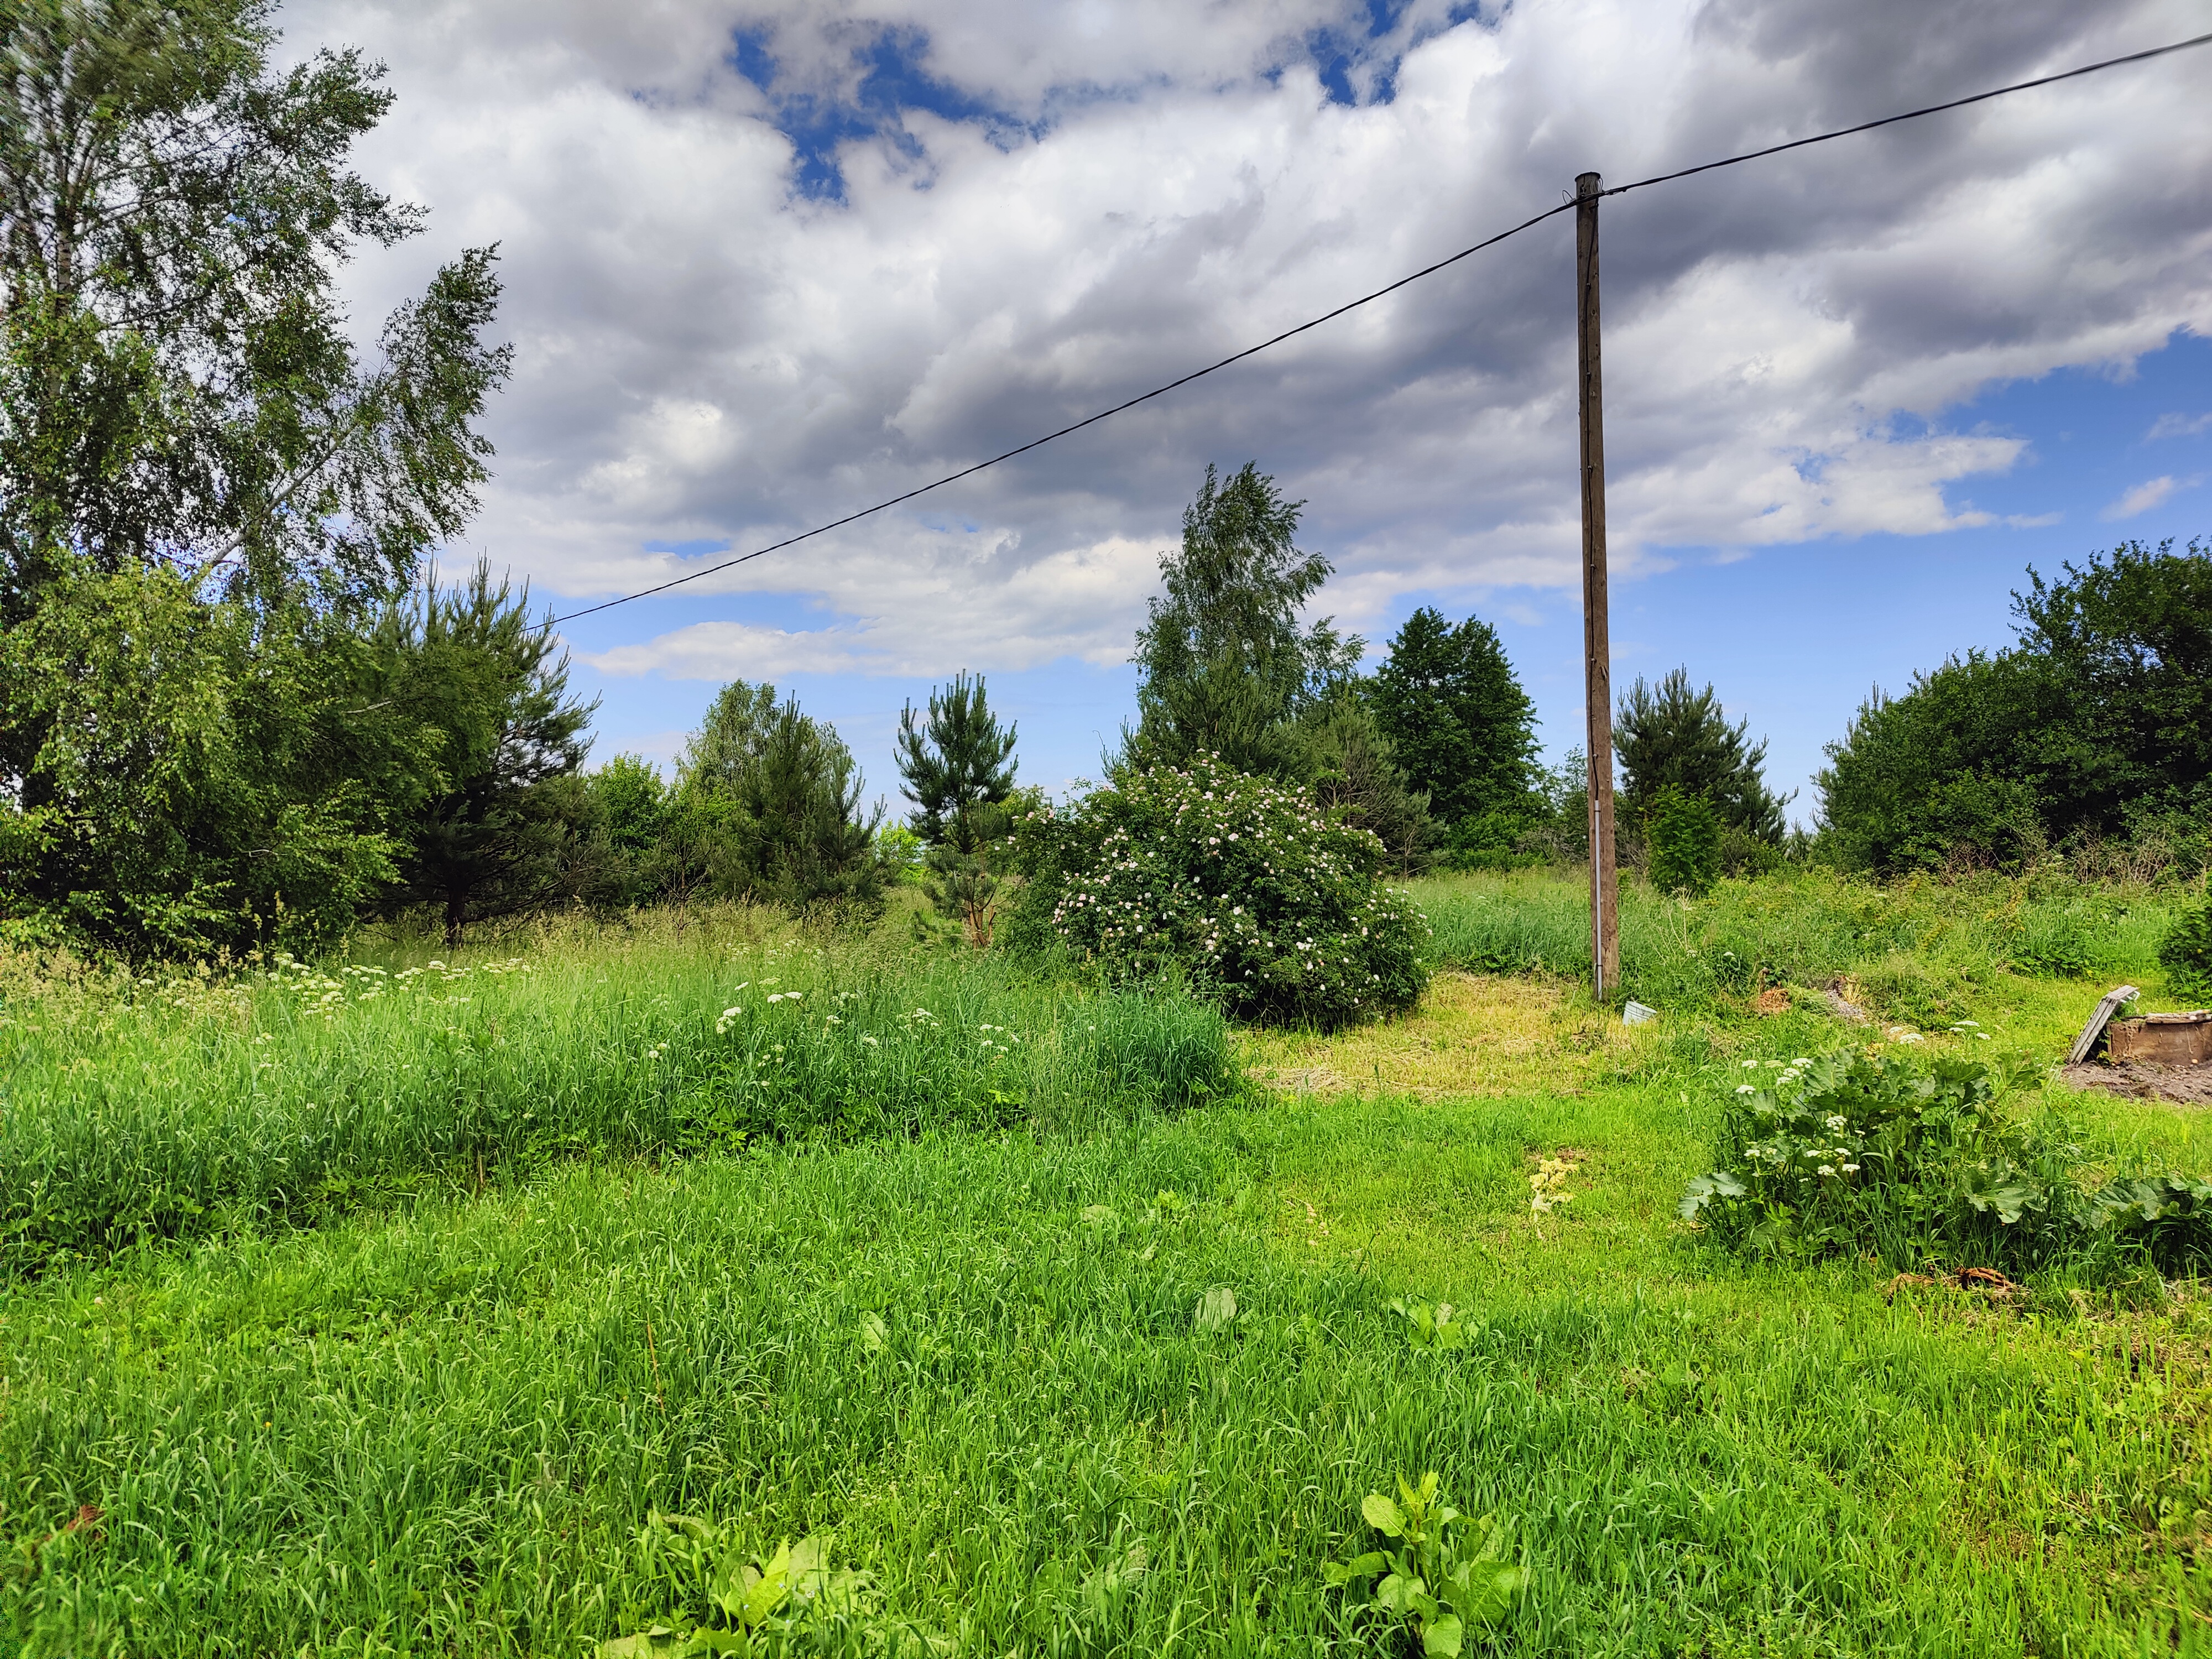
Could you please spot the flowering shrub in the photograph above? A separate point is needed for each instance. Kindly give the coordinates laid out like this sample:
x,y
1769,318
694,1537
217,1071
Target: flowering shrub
x,y
1240,885
1857,1152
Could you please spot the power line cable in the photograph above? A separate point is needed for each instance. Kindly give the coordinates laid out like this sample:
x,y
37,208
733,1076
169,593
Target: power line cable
x,y
1915,114
1367,299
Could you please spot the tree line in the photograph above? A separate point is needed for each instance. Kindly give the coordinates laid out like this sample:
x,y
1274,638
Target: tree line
x,y
240,706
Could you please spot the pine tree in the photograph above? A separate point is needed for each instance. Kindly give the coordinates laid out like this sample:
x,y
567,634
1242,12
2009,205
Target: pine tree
x,y
1462,728
493,690
1672,735
958,758
767,806
958,768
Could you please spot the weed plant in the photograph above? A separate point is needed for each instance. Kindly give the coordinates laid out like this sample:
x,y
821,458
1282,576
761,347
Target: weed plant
x,y
165,1109
1928,1162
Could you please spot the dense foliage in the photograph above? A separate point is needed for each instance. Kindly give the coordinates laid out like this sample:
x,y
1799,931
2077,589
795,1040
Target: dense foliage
x,y
1670,736
206,500
2185,953
768,805
1684,841
491,689
1237,884
1460,726
2097,723
1853,1151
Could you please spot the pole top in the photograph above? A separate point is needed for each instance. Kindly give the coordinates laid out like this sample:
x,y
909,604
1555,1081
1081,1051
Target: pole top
x,y
1587,185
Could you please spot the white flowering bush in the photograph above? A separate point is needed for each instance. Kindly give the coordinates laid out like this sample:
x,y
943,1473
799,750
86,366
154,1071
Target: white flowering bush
x,y
1241,886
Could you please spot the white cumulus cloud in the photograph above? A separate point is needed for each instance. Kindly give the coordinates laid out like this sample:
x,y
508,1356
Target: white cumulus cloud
x,y
2147,495
766,263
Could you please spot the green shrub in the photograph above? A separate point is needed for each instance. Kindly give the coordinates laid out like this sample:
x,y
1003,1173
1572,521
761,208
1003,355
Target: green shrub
x,y
1917,1162
1686,842
1239,885
2185,953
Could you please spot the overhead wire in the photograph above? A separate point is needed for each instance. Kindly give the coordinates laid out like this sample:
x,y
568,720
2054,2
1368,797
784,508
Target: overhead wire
x,y
1367,299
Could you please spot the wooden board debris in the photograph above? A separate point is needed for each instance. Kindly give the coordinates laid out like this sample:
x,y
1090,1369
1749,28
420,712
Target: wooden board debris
x,y
2113,1000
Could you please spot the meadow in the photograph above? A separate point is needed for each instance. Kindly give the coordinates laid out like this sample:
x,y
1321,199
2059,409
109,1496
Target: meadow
x,y
340,1314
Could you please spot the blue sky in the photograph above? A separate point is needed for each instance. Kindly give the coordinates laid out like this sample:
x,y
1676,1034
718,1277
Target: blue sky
x,y
769,260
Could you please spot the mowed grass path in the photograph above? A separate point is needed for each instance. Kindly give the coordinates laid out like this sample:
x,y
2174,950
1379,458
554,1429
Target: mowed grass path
x,y
977,1357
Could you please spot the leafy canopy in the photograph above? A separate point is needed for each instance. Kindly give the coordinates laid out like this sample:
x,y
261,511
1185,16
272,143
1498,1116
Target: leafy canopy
x,y
1223,666
181,387
2098,722
206,501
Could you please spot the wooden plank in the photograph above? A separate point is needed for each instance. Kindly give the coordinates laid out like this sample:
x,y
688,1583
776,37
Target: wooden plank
x,y
2096,1029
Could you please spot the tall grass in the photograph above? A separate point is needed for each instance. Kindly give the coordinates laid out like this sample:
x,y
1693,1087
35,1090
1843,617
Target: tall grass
x,y
1918,949
158,1109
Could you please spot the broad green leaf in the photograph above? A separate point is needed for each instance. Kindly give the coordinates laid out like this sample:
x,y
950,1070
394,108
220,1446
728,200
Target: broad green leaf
x,y
1382,1514
732,1580
1441,1637
767,1591
658,1643
874,1333
1217,1307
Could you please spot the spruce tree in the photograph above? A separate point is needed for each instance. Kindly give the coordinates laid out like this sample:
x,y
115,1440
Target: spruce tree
x,y
1457,719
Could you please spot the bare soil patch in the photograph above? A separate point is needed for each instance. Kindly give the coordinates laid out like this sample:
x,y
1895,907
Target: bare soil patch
x,y
2185,1085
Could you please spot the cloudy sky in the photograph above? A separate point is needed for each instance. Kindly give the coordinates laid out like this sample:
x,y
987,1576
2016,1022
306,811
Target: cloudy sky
x,y
768,263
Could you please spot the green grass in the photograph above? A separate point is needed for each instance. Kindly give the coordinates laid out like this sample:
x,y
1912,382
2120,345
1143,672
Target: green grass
x,y
191,1107
1920,951
437,1427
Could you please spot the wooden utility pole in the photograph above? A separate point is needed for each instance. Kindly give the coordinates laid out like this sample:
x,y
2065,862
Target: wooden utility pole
x,y
1597,648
